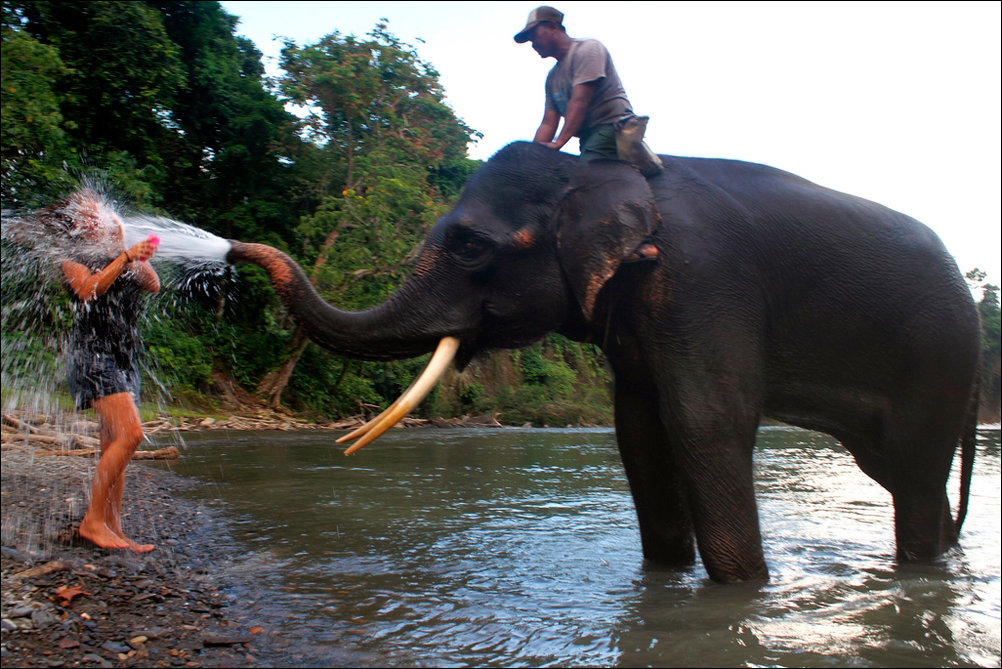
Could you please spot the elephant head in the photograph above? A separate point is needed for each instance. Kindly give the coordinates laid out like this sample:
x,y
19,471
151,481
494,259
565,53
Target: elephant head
x,y
526,250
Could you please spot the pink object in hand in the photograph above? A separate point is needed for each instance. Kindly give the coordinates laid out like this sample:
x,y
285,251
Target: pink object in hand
x,y
153,239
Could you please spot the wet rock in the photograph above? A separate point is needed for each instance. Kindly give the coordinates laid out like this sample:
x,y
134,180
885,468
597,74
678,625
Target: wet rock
x,y
225,640
115,647
42,618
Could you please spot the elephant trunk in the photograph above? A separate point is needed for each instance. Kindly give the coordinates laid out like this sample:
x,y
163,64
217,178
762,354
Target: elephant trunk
x,y
387,332
378,334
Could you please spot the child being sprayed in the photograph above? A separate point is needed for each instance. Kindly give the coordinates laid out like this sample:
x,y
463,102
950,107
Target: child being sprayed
x,y
109,283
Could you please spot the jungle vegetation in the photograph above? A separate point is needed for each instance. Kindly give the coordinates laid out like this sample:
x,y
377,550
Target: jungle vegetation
x,y
164,104
168,108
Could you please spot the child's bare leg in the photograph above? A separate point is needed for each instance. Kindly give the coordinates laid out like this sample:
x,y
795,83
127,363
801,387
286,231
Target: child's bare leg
x,y
121,433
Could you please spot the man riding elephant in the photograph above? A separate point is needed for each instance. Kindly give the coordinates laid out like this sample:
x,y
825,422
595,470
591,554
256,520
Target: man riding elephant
x,y
584,89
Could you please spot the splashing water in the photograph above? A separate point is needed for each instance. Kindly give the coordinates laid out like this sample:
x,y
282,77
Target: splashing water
x,y
37,316
36,310
89,222
179,242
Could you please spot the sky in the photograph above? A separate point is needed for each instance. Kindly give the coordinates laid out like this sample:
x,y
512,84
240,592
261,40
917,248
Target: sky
x,y
897,102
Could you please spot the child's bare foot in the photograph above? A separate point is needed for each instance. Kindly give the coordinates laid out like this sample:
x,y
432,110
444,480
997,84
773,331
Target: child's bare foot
x,y
139,548
101,535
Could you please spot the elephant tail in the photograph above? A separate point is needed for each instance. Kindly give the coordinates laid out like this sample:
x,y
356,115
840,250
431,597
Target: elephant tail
x,y
968,442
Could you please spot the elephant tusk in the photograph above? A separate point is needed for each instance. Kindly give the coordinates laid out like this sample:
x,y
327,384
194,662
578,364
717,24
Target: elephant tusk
x,y
364,429
418,390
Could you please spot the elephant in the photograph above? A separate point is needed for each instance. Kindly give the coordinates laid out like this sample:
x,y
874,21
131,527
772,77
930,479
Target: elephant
x,y
770,296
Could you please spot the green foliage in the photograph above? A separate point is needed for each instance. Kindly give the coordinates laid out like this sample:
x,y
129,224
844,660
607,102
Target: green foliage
x,y
991,345
163,104
116,91
392,148
555,382
32,122
373,104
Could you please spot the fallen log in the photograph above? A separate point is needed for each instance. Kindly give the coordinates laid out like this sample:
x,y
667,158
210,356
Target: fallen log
x,y
66,440
14,422
169,453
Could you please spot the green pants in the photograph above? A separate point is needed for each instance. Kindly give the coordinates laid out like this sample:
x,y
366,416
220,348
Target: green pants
x,y
599,143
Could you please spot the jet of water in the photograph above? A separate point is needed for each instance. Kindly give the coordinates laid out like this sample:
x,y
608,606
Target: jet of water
x,y
179,242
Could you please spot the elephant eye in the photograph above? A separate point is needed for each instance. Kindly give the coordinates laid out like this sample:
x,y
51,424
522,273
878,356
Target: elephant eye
x,y
470,247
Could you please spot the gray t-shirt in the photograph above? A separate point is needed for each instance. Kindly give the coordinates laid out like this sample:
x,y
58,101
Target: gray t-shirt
x,y
588,61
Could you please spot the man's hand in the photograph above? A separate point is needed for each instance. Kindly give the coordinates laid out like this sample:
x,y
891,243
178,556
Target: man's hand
x,y
548,128
577,109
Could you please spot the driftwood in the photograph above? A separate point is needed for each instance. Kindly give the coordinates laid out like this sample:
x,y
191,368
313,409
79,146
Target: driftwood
x,y
65,440
23,430
17,423
67,444
169,453
42,570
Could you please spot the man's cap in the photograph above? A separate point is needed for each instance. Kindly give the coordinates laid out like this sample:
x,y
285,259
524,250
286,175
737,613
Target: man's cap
x,y
537,16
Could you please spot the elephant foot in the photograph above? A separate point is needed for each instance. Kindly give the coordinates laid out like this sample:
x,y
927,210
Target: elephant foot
x,y
739,573
923,527
682,554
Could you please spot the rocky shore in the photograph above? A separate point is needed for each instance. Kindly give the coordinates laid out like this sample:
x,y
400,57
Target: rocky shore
x,y
67,603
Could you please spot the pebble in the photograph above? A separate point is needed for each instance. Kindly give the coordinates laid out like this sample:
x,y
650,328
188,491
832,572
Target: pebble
x,y
42,618
21,612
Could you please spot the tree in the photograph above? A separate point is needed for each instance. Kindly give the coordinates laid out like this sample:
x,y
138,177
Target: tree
x,y
171,110
991,347
32,139
373,101
236,167
118,90
380,116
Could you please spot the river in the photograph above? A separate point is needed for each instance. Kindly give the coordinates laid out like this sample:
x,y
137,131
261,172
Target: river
x,y
519,547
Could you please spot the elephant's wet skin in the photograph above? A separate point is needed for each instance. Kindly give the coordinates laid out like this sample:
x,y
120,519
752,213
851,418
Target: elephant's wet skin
x,y
769,296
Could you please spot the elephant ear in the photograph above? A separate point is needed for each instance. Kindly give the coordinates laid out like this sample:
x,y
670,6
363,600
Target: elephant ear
x,y
607,213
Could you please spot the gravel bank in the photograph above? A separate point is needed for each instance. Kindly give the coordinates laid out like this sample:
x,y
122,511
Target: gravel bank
x,y
68,603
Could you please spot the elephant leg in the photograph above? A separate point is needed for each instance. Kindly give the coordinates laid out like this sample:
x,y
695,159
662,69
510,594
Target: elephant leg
x,y
715,444
923,528
912,462
665,526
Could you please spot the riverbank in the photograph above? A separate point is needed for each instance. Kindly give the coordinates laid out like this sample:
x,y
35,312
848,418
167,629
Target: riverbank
x,y
68,603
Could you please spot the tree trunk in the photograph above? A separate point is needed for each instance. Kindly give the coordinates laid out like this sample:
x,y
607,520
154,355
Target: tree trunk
x,y
275,381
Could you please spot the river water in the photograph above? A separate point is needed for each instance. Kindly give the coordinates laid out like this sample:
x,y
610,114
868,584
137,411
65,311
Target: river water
x,y
519,547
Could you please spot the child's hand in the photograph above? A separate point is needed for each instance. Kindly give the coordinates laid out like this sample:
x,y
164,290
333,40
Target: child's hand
x,y
145,249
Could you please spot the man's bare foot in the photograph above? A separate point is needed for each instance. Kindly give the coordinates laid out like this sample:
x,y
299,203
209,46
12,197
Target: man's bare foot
x,y
101,535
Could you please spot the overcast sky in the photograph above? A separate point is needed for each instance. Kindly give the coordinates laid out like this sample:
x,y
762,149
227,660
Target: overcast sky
x,y
896,102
